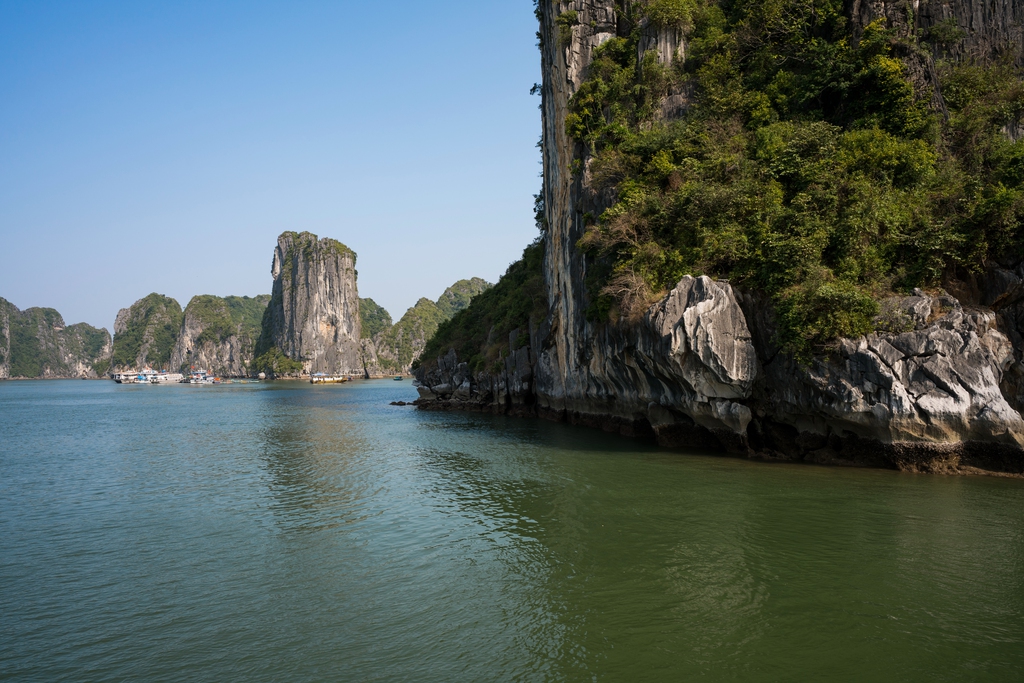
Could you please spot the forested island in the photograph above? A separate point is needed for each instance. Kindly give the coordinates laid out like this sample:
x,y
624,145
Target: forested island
x,y
314,322
37,343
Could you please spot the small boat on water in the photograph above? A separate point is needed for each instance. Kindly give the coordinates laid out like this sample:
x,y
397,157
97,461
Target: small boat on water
x,y
166,378
398,378
323,378
201,377
147,376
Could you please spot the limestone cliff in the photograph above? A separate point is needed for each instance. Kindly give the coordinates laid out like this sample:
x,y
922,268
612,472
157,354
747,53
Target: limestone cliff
x,y
312,323
700,370
218,334
940,390
984,29
145,333
35,343
392,350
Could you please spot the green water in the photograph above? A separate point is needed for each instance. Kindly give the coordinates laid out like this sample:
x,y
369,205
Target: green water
x,y
284,532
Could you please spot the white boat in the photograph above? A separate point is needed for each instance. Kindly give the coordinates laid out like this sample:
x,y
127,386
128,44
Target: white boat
x,y
147,376
201,377
322,378
166,378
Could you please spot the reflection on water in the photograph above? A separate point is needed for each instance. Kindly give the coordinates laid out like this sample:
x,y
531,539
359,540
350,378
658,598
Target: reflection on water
x,y
316,458
289,532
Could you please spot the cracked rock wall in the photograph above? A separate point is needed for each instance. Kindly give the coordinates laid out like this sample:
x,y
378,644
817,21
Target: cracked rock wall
x,y
314,306
943,394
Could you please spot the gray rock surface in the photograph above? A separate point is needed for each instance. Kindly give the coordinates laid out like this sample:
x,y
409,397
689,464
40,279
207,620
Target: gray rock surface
x,y
941,392
691,374
1003,290
989,28
314,307
692,355
939,383
36,343
219,334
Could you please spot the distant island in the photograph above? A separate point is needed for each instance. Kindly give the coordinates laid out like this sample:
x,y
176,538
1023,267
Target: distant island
x,y
36,343
313,322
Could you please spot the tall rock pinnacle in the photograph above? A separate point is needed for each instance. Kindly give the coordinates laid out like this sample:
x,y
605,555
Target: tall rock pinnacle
x,y
313,317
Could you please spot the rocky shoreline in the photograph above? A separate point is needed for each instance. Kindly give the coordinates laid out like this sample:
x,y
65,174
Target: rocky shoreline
x,y
972,458
693,374
938,388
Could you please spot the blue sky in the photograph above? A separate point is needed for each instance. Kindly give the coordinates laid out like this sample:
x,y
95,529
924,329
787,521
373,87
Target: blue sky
x,y
162,147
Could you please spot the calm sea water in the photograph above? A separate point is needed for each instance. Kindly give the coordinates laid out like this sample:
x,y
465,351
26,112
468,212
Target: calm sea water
x,y
284,532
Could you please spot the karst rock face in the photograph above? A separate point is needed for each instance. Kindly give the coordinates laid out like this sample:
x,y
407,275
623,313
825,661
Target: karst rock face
x,y
36,343
145,333
393,348
219,334
313,315
701,369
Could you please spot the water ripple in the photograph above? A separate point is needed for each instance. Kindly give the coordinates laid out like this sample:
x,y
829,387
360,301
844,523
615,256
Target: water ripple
x,y
288,532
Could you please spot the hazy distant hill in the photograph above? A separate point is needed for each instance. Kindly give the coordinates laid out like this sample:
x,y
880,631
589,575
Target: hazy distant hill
x,y
394,348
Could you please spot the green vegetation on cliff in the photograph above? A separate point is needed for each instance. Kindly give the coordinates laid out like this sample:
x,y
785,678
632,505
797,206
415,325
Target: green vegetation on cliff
x,y
33,343
224,317
274,362
397,348
401,345
374,318
90,344
41,345
307,243
459,295
812,162
147,332
479,333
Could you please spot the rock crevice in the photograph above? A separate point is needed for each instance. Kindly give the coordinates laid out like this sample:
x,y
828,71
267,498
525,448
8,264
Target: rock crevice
x,y
942,391
313,315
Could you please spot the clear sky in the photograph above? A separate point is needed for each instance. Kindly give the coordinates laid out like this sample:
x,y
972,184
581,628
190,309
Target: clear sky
x,y
163,146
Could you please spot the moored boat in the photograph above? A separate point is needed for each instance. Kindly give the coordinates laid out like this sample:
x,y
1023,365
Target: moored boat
x,y
200,377
147,376
322,378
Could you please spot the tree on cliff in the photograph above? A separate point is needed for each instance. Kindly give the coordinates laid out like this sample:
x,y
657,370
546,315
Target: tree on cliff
x,y
145,333
825,160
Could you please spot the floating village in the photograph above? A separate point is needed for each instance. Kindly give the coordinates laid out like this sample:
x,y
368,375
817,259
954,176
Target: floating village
x,y
150,376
